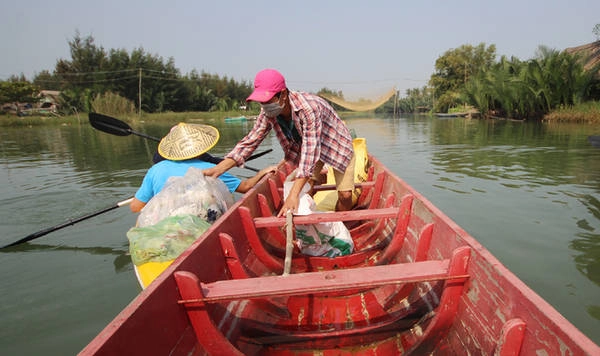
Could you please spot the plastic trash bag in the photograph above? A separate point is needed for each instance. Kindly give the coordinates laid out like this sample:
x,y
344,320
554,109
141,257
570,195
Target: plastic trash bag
x,y
165,240
329,239
205,197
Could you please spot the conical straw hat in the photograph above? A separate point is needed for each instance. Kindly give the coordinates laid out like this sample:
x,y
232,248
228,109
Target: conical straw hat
x,y
187,141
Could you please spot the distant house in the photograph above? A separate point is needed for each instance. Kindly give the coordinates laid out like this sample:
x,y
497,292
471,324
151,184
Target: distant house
x,y
49,99
590,54
47,104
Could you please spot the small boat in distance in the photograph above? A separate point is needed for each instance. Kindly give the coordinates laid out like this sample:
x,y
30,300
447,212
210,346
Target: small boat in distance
x,y
236,119
415,284
449,115
239,119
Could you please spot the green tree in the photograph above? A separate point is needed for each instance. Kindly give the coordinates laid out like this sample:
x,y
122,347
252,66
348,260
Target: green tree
x,y
47,81
416,100
92,71
529,89
18,92
454,69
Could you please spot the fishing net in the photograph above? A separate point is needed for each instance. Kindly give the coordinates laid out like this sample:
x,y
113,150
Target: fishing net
x,y
205,197
362,104
166,240
174,218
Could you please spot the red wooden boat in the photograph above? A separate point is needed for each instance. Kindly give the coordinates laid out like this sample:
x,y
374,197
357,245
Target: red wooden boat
x,y
416,284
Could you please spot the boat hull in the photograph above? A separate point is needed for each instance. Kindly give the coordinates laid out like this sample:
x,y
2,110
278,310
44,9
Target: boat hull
x,y
417,284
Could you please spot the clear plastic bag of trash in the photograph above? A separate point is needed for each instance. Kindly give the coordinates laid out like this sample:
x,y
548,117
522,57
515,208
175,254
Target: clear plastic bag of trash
x,y
165,240
329,239
205,197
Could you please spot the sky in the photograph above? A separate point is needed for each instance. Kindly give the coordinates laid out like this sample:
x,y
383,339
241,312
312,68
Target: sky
x,y
363,48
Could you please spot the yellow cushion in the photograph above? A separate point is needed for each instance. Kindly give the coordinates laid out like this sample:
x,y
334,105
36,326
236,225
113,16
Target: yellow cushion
x,y
327,199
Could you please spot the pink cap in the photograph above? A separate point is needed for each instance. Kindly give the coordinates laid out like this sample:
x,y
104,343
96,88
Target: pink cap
x,y
267,83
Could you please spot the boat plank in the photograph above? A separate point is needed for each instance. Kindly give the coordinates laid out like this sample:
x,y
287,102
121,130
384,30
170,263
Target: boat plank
x,y
318,282
328,217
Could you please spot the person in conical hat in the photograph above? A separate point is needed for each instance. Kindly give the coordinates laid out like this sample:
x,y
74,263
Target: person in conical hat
x,y
181,149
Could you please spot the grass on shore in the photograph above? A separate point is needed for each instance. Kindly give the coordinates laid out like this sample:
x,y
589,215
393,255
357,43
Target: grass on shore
x,y
588,112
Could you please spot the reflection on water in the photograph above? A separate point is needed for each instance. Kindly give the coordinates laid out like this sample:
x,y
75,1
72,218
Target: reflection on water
x,y
122,261
526,191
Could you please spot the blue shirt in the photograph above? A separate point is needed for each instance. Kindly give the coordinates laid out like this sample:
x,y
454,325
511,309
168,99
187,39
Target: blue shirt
x,y
157,176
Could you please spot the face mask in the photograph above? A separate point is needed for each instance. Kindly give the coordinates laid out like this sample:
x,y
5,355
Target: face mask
x,y
272,109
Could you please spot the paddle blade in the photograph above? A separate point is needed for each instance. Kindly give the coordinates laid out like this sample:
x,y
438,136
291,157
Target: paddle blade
x,y
109,124
594,140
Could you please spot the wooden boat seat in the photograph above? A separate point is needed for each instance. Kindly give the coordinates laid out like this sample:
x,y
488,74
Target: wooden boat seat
x,y
320,282
269,206
195,294
362,234
402,214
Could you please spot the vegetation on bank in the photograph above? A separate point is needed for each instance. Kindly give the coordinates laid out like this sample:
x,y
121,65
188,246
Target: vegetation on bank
x,y
588,112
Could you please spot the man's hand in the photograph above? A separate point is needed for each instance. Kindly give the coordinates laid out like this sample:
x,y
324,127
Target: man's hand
x,y
293,198
291,203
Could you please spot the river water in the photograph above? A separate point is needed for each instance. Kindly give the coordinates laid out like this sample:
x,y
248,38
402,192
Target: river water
x,y
529,192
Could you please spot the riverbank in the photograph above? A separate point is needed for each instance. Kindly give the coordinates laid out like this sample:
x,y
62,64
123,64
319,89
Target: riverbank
x,y
588,112
169,117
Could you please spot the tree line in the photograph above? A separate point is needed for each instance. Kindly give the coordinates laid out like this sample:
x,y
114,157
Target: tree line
x,y
147,81
471,77
468,76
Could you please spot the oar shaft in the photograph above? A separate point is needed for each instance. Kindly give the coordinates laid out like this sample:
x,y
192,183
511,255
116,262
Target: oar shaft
x,y
69,222
141,134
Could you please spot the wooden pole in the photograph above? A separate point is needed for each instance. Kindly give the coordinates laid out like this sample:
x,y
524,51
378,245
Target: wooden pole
x,y
140,92
289,243
395,102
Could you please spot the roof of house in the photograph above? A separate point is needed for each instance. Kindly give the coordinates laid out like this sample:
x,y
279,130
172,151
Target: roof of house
x,y
590,53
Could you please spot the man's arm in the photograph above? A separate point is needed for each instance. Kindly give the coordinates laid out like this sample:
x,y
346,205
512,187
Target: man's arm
x,y
247,184
220,168
136,205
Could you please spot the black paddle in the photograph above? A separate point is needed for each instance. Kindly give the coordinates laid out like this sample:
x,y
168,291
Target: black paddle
x,y
40,233
594,141
117,127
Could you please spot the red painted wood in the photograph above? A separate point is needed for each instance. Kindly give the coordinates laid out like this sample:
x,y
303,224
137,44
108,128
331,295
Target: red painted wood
x,y
377,191
266,211
364,192
328,217
322,187
234,264
424,242
389,319
362,238
274,194
258,249
319,282
209,336
404,214
420,255
446,312
511,340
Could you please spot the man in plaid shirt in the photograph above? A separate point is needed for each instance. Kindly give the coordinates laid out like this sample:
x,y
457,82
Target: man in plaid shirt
x,y
309,131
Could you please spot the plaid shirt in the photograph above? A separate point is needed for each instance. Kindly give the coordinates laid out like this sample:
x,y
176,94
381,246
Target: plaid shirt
x,y
324,136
